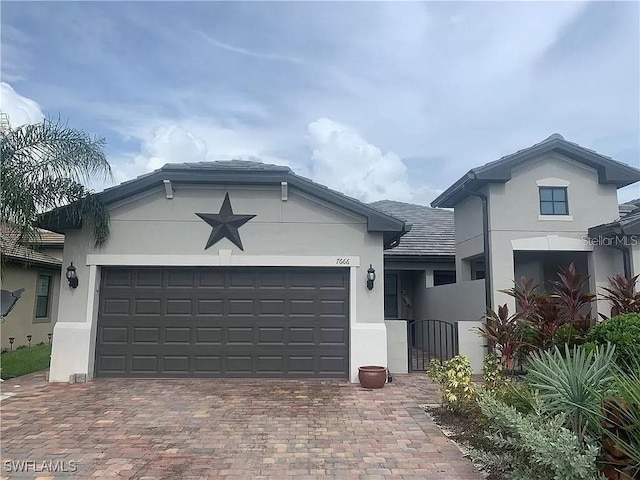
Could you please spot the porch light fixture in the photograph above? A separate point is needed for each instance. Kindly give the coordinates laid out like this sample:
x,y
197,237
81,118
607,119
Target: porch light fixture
x,y
72,277
371,276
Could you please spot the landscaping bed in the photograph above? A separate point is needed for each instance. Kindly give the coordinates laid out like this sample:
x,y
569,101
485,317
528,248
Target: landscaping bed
x,y
466,429
574,414
24,360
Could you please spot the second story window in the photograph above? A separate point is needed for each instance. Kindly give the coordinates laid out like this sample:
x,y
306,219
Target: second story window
x,y
553,201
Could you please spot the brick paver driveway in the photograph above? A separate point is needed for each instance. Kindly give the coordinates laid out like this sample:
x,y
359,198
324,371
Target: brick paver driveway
x,y
203,428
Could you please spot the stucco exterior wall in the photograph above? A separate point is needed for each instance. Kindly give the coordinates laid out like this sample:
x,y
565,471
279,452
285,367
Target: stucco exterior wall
x,y
464,303
515,222
301,230
20,322
635,259
468,234
398,360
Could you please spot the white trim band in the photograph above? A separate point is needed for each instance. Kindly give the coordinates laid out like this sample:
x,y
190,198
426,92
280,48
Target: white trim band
x,y
223,260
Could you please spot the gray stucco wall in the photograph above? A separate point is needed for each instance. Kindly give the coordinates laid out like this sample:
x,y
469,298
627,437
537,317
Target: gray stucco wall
x,y
515,222
301,226
150,224
464,303
468,234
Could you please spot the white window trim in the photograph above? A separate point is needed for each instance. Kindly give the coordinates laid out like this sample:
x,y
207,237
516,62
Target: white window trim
x,y
553,182
556,218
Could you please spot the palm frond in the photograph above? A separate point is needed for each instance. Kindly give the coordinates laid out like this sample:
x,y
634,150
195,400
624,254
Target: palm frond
x,y
46,166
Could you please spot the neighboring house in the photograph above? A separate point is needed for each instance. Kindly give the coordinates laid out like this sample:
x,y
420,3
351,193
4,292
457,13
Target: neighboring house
x,y
224,269
36,269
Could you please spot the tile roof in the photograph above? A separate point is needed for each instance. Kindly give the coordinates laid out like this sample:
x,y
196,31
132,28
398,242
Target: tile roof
x,y
9,247
432,231
609,170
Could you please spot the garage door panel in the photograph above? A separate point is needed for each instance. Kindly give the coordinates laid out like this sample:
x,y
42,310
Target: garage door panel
x,y
148,278
223,322
116,306
144,363
147,306
178,306
113,335
178,335
176,364
209,364
209,335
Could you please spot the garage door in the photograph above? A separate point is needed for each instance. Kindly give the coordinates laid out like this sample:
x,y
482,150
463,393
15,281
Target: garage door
x,y
223,322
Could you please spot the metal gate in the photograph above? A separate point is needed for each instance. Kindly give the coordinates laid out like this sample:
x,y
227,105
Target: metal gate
x,y
428,339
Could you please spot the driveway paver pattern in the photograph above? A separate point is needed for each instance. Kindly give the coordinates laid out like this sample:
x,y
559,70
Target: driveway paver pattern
x,y
231,429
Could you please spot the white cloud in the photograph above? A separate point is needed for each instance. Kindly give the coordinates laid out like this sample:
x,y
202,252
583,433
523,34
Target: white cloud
x,y
339,157
346,162
21,110
166,144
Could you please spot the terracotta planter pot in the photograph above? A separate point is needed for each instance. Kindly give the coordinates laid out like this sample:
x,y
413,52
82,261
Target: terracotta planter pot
x,y
372,376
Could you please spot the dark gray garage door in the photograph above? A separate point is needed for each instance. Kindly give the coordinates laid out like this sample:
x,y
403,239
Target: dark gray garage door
x,y
223,322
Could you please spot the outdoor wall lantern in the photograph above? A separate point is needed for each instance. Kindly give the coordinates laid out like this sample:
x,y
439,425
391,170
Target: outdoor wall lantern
x,y
72,277
371,276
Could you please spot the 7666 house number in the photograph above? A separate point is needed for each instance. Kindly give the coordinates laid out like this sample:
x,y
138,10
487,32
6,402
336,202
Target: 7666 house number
x,y
342,261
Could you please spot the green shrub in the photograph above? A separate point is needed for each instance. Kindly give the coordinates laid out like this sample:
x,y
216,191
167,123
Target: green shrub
x,y
572,383
492,373
454,376
623,331
621,422
568,334
517,394
526,447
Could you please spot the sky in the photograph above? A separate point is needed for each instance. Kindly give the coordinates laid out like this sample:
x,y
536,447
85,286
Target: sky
x,y
377,100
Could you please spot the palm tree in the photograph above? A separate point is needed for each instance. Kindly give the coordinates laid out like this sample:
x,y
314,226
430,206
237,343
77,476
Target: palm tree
x,y
46,166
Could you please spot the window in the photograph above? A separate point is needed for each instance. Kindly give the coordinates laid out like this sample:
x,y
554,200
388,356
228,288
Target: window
x,y
443,277
477,269
43,294
553,201
391,295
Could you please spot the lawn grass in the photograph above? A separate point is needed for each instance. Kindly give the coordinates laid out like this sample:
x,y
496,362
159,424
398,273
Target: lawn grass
x,y
25,360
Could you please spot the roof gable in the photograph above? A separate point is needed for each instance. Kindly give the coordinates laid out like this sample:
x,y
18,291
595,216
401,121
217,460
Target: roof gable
x,y
235,172
609,171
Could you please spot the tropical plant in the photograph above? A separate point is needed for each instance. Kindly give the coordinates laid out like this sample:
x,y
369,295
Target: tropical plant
x,y
504,332
623,331
570,291
572,383
622,294
544,315
454,376
531,446
45,166
492,372
621,423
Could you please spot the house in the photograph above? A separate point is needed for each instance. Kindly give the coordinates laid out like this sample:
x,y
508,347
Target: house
x,y
530,212
224,269
36,271
249,270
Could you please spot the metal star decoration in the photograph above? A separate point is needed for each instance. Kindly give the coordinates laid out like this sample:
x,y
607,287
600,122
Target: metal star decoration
x,y
225,224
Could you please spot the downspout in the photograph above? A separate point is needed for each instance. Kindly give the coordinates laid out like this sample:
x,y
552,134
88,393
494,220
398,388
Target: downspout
x,y
626,259
487,245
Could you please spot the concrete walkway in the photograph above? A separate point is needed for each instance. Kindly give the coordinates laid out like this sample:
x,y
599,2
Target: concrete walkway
x,y
203,428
